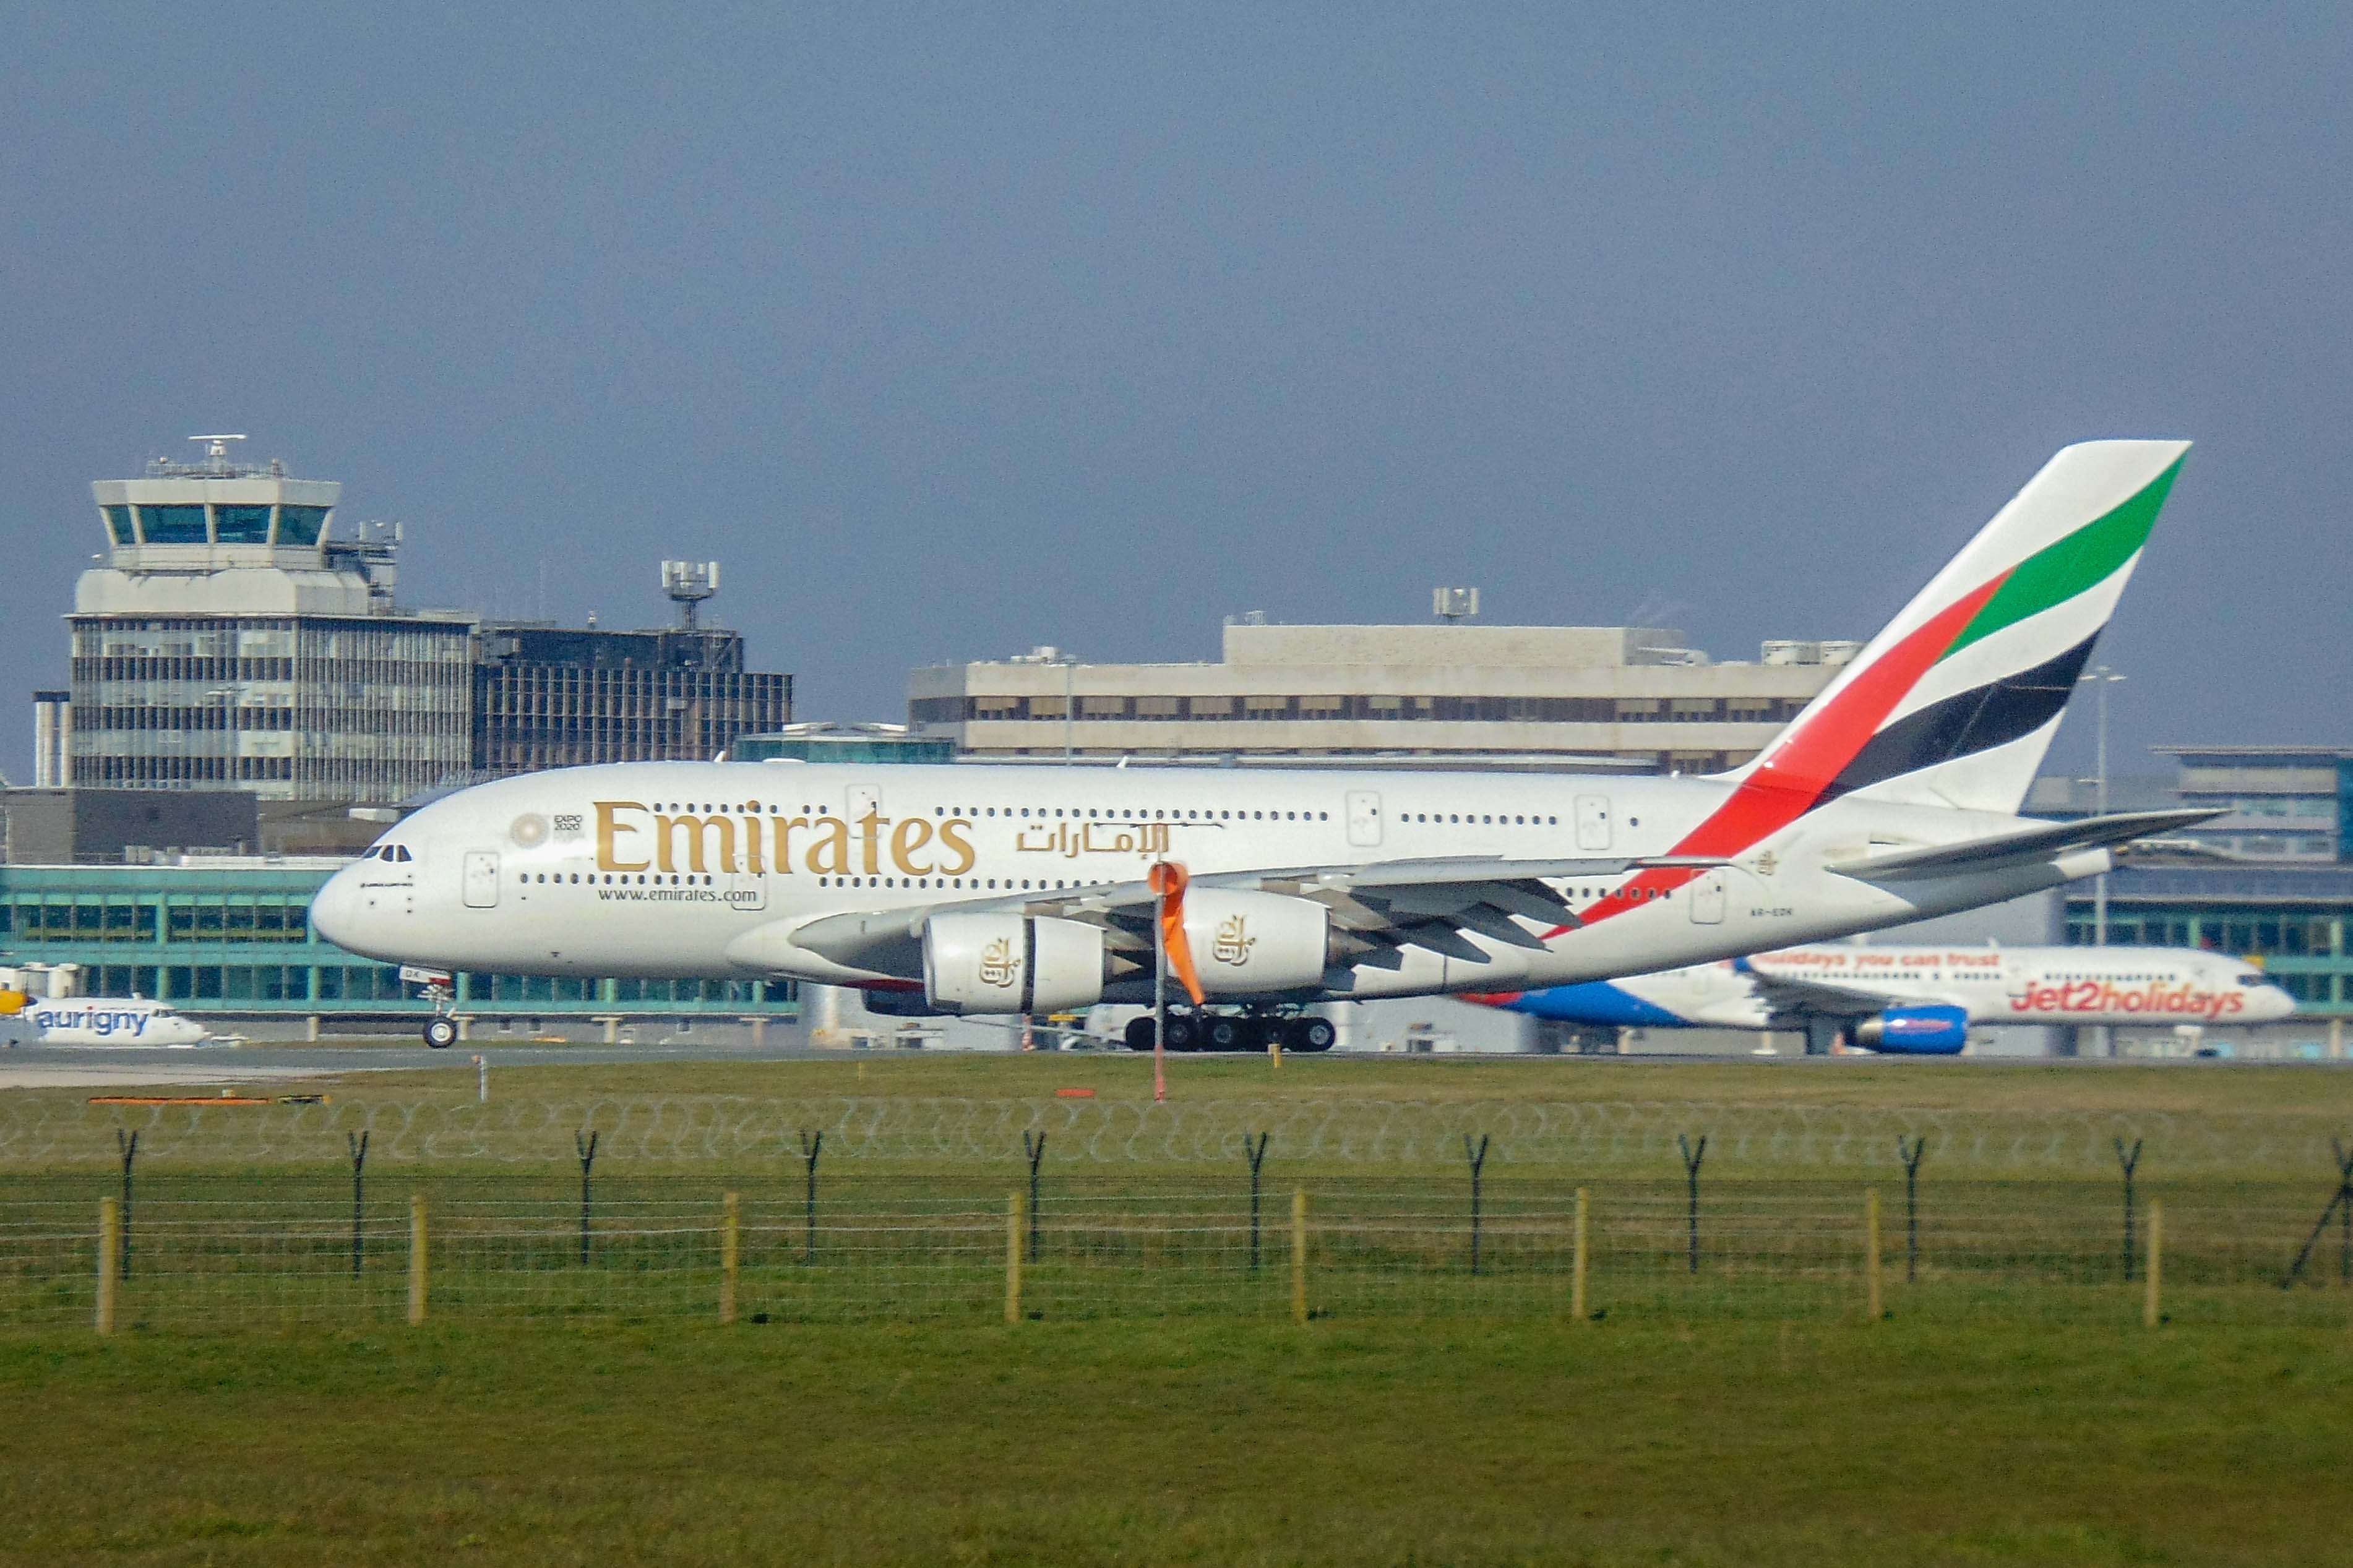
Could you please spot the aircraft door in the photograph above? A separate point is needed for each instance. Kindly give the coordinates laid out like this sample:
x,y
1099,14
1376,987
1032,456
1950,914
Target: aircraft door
x,y
481,878
862,802
1364,818
1593,822
1707,899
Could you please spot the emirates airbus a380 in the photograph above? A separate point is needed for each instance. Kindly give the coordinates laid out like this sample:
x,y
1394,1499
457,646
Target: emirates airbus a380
x,y
1894,795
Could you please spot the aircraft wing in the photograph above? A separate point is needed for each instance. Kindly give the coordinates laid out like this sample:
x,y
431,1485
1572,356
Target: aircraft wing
x,y
1378,910
1818,998
2038,842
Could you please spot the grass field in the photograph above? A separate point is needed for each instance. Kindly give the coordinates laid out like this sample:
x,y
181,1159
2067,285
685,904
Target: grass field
x,y
1430,1441
260,1404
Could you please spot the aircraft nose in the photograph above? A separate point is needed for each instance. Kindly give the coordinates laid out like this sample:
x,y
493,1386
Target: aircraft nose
x,y
335,910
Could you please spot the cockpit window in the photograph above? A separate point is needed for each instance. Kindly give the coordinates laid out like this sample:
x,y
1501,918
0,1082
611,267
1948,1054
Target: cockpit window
x,y
2255,980
388,852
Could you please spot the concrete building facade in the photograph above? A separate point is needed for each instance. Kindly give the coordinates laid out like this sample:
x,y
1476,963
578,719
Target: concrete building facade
x,y
227,640
1636,695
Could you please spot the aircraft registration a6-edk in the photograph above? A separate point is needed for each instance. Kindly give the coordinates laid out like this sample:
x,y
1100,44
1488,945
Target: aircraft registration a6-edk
x,y
1009,889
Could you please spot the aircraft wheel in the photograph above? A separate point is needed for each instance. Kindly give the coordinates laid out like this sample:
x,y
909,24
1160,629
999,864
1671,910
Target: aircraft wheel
x,y
440,1032
1309,1035
1139,1033
1228,1034
1183,1033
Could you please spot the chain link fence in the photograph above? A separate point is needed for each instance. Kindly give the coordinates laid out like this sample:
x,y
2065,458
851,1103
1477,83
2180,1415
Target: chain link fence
x,y
217,1251
1589,1138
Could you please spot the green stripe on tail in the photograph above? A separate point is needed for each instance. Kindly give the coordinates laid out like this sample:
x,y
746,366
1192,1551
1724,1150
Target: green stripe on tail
x,y
2081,560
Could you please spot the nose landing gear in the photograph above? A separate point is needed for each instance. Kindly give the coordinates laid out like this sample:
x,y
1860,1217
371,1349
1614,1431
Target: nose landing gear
x,y
1208,1031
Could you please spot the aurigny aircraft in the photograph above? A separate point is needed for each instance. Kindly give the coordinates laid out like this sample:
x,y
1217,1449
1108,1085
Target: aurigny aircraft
x,y
103,1021
1919,1000
1011,889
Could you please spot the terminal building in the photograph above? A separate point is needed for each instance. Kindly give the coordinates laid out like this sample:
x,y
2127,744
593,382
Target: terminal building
x,y
1629,696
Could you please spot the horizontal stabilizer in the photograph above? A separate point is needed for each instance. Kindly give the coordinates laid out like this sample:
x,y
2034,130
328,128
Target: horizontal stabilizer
x,y
2040,842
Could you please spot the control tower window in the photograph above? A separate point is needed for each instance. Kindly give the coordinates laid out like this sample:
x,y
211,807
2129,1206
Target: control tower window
x,y
300,524
173,524
118,525
242,524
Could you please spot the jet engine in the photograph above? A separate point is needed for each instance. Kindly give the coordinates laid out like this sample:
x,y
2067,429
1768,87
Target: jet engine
x,y
1011,963
1256,944
1928,1031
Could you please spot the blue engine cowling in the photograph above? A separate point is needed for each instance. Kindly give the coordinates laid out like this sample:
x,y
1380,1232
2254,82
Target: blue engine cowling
x,y
1915,1031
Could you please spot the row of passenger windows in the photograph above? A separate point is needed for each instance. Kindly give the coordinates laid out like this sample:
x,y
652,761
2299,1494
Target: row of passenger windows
x,y
1156,814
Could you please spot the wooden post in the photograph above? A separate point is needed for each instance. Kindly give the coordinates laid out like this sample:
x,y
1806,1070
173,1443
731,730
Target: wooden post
x,y
1872,1303
1577,1266
416,1258
1298,1255
2150,1316
730,1253
1013,1217
110,1251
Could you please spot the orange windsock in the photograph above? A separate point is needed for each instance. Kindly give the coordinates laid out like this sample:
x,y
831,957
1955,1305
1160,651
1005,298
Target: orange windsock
x,y
1167,878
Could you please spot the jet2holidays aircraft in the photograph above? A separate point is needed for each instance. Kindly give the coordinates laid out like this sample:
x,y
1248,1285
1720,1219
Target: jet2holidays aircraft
x,y
1920,1000
1009,889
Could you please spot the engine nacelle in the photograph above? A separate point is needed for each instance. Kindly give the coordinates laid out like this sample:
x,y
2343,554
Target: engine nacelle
x,y
1011,963
1256,944
1931,1031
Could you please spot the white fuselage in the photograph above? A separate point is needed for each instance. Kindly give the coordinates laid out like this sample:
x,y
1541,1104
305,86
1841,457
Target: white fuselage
x,y
110,1021
709,868
2085,985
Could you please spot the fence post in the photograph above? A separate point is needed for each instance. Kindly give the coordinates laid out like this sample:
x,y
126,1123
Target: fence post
x,y
812,1145
1257,1152
358,1143
1298,1255
1692,1157
129,1146
730,1253
1871,1295
110,1245
1037,1151
1577,1264
2341,1205
1013,1258
416,1258
1910,1156
1477,1155
2149,1314
587,1149
2129,1159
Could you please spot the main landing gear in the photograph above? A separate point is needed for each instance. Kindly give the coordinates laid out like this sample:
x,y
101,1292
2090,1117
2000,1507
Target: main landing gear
x,y
1192,1031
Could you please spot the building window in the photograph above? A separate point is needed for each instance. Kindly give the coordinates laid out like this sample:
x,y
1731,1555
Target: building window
x,y
118,525
242,524
173,524
300,524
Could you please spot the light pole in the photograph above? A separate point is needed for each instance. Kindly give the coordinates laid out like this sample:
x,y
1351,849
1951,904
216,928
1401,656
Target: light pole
x,y
2099,680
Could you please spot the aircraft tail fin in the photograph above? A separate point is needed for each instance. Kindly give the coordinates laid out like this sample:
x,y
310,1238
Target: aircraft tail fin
x,y
1955,702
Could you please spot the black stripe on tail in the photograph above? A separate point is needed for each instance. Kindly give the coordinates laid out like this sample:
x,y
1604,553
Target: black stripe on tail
x,y
1966,723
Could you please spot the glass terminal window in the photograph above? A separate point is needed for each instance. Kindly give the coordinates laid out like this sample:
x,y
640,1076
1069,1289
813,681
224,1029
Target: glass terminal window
x,y
118,525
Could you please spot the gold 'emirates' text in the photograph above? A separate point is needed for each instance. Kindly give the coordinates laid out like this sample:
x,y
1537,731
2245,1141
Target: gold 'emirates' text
x,y
632,836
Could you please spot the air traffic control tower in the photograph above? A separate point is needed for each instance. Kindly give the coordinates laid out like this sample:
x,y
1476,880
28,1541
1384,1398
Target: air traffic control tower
x,y
230,640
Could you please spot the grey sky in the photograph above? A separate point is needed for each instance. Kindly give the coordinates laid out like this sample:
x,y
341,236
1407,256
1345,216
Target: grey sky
x,y
952,330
